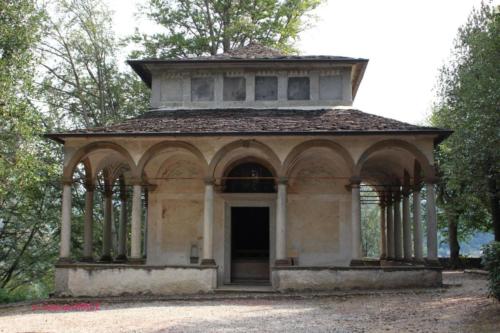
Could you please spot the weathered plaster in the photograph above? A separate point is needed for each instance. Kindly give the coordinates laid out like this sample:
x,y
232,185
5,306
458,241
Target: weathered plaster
x,y
121,280
331,278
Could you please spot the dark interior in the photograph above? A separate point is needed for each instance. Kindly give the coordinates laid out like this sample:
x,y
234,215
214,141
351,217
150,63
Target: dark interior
x,y
249,243
249,178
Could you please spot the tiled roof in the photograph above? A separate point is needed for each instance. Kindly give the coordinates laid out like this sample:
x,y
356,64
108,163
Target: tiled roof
x,y
336,121
250,51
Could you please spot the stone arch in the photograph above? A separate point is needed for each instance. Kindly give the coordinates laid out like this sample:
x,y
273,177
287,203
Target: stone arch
x,y
84,151
88,171
155,149
292,157
381,145
222,159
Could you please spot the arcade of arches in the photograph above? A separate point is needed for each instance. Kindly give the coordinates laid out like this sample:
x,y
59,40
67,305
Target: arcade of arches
x,y
310,189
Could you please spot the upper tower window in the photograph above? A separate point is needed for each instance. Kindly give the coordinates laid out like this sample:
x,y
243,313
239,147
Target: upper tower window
x,y
298,88
266,88
234,88
330,87
202,89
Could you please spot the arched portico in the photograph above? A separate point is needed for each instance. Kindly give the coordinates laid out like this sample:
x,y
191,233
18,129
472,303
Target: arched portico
x,y
395,169
238,150
114,163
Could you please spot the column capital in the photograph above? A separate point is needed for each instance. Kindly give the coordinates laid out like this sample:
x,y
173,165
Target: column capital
x,y
355,181
135,181
417,187
282,181
67,181
209,181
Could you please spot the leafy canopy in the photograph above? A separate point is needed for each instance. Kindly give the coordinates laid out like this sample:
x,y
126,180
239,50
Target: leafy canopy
x,y
469,104
202,27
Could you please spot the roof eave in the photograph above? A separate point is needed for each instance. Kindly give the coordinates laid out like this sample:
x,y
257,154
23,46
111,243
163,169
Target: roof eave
x,y
440,134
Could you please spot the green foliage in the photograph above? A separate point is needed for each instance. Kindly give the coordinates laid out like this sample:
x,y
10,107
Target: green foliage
x,y
468,103
491,261
201,27
28,197
370,230
82,83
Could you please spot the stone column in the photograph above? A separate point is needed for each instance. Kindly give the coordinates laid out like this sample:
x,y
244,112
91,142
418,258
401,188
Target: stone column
x,y
432,245
398,234
406,227
390,228
208,224
281,202
356,220
106,238
65,247
135,239
88,224
417,226
145,240
383,230
122,228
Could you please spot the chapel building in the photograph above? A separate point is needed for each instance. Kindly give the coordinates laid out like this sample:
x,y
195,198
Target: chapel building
x,y
249,168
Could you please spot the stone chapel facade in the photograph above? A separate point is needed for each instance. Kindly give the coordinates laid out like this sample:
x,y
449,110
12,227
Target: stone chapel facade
x,y
247,170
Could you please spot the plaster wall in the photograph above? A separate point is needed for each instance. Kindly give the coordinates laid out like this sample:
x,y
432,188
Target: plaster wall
x,y
363,278
173,89
115,281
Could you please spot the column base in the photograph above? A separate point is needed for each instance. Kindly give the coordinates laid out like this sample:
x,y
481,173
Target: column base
x,y
106,258
208,262
419,261
357,262
136,261
282,262
87,259
121,258
64,260
432,262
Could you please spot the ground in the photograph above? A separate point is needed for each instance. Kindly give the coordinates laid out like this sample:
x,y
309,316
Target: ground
x,y
461,306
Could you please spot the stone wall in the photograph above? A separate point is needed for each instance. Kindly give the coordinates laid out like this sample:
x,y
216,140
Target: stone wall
x,y
345,278
268,88
114,280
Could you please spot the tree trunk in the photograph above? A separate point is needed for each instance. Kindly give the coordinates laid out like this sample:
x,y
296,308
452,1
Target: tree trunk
x,y
453,242
495,207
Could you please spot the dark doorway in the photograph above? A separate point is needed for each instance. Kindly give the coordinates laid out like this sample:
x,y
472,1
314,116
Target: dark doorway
x,y
250,244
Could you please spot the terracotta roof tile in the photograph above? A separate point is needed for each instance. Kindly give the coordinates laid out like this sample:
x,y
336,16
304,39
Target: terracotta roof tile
x,y
254,121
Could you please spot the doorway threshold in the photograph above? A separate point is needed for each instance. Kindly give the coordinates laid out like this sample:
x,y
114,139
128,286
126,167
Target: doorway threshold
x,y
246,288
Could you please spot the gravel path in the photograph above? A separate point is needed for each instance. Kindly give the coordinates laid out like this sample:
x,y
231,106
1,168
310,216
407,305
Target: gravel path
x,y
461,307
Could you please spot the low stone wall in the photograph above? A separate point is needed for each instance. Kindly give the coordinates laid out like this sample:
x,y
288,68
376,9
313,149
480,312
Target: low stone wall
x,y
114,280
345,278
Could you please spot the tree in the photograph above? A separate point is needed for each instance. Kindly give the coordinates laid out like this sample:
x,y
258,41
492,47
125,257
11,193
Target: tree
x,y
370,230
468,103
82,84
26,163
207,27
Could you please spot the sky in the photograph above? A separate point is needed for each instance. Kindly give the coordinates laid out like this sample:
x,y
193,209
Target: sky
x,y
405,41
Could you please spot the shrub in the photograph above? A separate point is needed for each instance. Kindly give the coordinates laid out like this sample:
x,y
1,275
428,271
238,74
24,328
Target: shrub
x,y
491,261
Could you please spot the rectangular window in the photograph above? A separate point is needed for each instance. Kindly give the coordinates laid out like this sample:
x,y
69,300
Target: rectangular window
x,y
298,88
202,89
330,87
266,88
234,89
